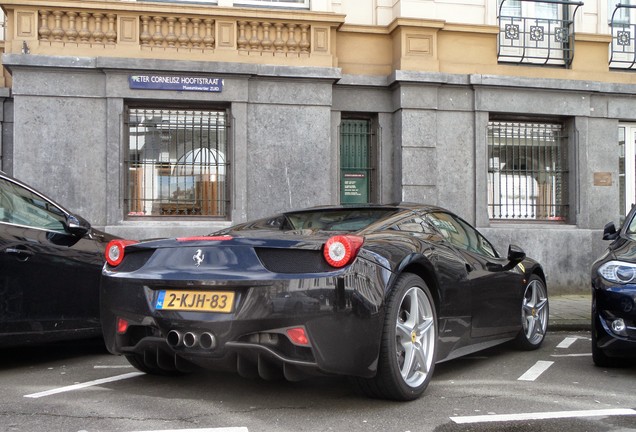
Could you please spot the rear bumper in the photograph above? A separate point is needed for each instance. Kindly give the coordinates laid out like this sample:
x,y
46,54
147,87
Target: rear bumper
x,y
343,323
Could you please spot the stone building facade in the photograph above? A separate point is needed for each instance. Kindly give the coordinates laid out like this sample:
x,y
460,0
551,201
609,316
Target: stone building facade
x,y
176,117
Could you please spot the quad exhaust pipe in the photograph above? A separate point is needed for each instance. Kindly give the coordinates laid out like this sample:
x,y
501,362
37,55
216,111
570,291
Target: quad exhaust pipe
x,y
205,340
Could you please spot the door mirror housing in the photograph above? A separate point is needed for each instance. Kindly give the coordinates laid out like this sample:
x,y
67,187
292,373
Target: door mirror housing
x,y
609,231
77,225
515,255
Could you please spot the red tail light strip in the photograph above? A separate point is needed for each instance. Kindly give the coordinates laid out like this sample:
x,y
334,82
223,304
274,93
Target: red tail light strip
x,y
204,238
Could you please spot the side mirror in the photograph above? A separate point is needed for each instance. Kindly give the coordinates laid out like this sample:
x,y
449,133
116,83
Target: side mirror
x,y
515,254
609,231
77,225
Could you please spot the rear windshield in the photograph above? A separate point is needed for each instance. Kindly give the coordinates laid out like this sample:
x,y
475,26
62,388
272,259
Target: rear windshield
x,y
337,220
323,220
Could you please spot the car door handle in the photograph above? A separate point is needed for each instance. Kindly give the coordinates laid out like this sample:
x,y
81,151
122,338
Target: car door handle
x,y
469,268
22,254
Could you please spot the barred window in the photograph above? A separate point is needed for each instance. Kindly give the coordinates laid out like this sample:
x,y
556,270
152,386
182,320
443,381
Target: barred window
x,y
527,171
177,163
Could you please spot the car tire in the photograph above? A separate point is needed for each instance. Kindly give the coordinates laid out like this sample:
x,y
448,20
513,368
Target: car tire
x,y
409,343
535,311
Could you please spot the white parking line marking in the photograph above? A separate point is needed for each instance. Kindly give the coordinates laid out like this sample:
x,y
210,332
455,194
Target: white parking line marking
x,y
535,371
112,367
567,342
572,355
83,385
542,416
226,429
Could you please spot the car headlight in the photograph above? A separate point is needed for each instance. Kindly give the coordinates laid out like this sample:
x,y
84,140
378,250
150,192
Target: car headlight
x,y
618,271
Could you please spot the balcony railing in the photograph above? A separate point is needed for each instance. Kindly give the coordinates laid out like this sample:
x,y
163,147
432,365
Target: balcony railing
x,y
527,38
623,30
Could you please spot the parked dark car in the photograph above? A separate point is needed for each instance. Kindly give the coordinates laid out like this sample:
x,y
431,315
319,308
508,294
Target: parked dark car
x,y
51,262
402,287
614,297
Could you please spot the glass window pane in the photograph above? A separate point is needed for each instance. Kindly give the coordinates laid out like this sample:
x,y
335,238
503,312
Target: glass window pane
x,y
19,206
510,8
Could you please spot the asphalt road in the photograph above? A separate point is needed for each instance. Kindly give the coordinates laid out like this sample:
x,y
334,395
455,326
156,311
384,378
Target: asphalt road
x,y
80,387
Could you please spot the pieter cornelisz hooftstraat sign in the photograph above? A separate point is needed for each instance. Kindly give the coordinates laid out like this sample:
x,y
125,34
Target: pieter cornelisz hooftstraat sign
x,y
175,82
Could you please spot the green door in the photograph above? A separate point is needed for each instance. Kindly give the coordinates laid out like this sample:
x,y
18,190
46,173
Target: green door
x,y
355,161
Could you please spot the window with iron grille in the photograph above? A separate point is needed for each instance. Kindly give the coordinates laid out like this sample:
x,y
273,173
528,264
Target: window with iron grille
x,y
177,162
527,171
358,147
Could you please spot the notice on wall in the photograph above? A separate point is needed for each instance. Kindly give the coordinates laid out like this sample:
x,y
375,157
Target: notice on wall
x,y
602,179
354,188
175,82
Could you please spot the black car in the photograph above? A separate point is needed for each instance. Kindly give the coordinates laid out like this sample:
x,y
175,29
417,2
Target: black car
x,y
614,297
51,261
398,288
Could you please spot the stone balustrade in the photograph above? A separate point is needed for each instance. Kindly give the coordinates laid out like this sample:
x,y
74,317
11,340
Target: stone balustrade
x,y
160,31
77,27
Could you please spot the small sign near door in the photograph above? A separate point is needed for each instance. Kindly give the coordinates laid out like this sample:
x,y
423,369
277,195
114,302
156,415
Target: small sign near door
x,y
602,179
354,188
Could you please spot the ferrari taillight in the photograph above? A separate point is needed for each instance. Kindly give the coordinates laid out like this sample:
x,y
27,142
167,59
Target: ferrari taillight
x,y
342,249
115,251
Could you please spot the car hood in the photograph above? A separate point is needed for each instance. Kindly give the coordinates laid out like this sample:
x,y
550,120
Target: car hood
x,y
624,249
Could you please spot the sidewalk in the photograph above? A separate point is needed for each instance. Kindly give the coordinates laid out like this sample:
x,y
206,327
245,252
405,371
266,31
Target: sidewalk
x,y
570,312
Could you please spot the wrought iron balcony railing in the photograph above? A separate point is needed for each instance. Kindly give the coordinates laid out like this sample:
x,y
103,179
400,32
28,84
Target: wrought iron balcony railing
x,y
537,31
623,29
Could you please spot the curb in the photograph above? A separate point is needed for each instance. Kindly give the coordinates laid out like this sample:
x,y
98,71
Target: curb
x,y
569,326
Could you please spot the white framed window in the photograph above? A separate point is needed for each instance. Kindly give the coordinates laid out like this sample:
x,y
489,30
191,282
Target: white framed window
x,y
210,2
621,15
294,4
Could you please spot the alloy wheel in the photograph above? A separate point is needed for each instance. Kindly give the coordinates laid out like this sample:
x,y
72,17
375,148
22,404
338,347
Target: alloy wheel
x,y
534,312
415,337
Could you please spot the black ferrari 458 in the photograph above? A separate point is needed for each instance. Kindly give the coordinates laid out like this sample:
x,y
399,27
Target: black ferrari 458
x,y
377,293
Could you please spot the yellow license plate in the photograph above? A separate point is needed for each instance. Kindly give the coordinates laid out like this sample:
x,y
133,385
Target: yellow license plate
x,y
204,301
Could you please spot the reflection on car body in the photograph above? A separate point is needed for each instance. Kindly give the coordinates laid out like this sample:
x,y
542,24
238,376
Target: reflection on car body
x,y
51,262
294,301
379,293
